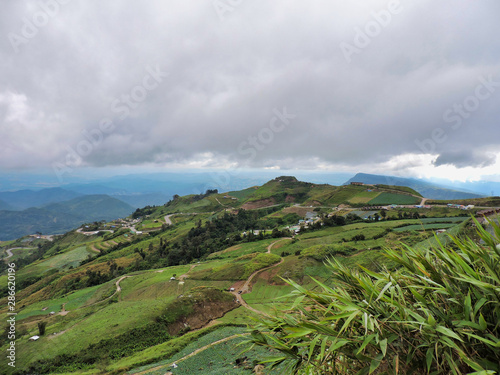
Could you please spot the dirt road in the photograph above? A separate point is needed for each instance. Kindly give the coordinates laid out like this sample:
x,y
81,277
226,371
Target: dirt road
x,y
9,251
168,221
246,286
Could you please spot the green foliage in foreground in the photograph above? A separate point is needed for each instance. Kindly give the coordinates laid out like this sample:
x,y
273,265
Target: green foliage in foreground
x,y
438,314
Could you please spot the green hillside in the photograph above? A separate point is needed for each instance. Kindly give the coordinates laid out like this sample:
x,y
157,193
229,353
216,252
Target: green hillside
x,y
138,294
424,188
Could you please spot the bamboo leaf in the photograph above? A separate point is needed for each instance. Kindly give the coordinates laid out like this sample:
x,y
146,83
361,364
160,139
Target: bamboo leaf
x,y
448,332
431,320
298,332
429,357
375,363
273,359
486,341
482,323
366,341
383,347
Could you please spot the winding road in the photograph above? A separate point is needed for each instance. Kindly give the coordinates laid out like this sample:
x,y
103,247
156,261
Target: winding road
x,y
246,287
168,221
9,251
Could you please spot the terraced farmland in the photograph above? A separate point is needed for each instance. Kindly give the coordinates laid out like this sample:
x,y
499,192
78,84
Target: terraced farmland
x,y
391,198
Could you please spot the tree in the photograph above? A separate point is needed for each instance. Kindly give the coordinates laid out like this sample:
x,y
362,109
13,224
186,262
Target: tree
x,y
438,313
41,328
140,252
276,233
383,213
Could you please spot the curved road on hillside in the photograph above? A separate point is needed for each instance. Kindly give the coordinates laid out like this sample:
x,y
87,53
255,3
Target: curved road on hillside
x,y
10,254
245,288
168,221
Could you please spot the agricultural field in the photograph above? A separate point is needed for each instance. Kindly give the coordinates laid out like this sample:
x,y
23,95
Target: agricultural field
x,y
72,301
219,355
238,269
343,194
150,224
434,226
64,261
391,198
268,298
242,249
364,196
403,189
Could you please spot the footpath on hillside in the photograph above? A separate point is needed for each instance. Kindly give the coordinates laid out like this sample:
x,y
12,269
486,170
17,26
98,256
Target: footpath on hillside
x,y
246,286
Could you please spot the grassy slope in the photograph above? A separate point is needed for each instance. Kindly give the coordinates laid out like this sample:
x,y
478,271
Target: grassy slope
x,y
144,294
403,189
154,289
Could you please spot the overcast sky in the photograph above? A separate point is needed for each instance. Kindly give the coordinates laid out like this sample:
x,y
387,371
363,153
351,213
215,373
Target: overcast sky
x,y
364,85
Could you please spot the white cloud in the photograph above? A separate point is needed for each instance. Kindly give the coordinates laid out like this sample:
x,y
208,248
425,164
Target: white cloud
x,y
225,79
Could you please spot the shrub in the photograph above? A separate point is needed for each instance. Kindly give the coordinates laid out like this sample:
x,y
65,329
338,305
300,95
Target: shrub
x,y
438,314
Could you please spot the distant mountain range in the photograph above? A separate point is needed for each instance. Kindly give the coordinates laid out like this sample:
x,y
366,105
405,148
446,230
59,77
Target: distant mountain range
x,y
5,206
61,217
427,189
23,199
59,209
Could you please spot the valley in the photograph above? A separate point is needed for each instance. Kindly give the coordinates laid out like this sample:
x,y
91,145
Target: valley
x,y
181,282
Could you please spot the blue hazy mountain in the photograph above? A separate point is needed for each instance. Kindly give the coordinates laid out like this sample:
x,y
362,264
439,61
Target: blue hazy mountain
x,y
61,217
23,199
5,206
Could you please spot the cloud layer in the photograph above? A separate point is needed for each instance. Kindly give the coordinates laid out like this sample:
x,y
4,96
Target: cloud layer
x,y
171,83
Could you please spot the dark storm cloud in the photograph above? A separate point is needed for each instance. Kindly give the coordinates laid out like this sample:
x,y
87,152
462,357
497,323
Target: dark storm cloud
x,y
465,158
222,77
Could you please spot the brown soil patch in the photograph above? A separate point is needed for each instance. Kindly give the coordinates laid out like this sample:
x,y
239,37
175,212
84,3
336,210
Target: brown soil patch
x,y
301,211
64,311
238,285
290,199
258,204
204,312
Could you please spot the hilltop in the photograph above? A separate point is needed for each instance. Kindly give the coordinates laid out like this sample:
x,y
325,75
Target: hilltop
x,y
166,281
427,189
